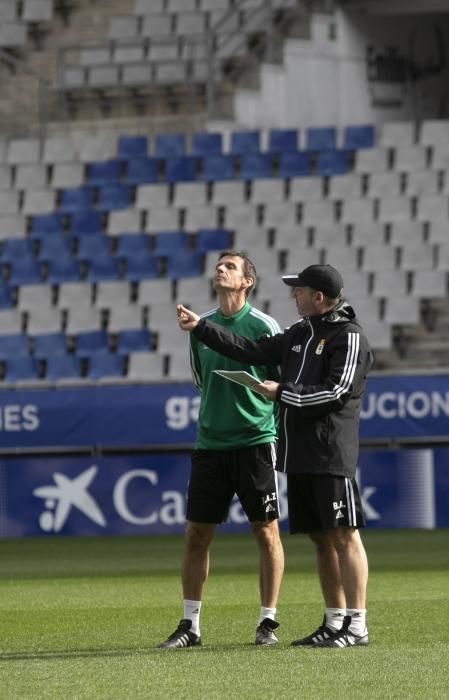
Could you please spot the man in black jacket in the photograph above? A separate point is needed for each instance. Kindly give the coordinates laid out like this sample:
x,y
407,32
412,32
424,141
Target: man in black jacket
x,y
324,360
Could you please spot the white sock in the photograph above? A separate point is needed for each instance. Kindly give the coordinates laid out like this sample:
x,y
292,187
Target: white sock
x,y
266,612
334,618
358,620
192,610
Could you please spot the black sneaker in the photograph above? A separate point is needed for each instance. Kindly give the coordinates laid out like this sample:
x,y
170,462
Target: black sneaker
x,y
181,637
322,634
345,638
265,633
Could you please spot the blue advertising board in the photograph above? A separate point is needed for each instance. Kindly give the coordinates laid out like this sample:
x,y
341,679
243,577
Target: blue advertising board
x,y
409,406
129,494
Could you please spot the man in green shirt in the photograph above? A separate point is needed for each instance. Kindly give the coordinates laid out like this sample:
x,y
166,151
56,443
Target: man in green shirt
x,y
234,454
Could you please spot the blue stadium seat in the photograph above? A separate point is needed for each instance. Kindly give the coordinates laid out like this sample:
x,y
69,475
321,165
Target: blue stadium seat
x,y
218,168
140,171
321,139
114,197
86,223
90,343
332,163
282,140
294,165
168,145
142,267
53,246
76,199
256,165
184,264
104,172
91,247
205,143
19,368
14,248
108,365
363,136
244,142
62,270
46,224
132,245
62,367
16,345
133,341
24,270
49,345
180,169
6,297
169,242
130,147
212,239
104,268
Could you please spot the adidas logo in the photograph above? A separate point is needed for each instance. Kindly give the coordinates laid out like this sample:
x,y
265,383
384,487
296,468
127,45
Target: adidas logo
x,y
269,508
296,348
339,515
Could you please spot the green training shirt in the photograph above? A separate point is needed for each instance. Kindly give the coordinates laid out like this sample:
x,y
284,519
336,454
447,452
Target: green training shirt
x,y
232,416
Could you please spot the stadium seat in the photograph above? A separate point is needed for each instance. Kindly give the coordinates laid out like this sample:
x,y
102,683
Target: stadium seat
x,y
321,139
133,340
294,165
124,221
184,264
6,297
103,267
104,172
255,165
91,342
53,246
169,145
244,142
167,243
115,196
332,163
76,199
49,345
59,367
46,224
180,169
141,267
217,167
152,290
16,345
14,249
145,366
21,368
355,137
141,170
90,247
24,270
212,239
86,223
132,147
205,143
282,140
105,365
62,270
132,245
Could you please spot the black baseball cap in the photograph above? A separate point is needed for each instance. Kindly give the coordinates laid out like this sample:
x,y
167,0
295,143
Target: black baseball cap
x,y
322,278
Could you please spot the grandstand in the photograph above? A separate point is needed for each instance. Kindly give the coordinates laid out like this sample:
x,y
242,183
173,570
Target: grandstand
x,y
116,198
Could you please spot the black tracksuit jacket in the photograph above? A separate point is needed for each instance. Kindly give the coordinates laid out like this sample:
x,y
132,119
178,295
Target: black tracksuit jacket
x,y
324,361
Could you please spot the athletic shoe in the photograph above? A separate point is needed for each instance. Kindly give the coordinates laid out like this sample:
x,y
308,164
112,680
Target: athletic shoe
x,y
181,637
346,638
322,634
265,633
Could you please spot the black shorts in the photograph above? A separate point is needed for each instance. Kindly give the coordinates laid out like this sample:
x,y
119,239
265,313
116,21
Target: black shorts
x,y
219,474
322,502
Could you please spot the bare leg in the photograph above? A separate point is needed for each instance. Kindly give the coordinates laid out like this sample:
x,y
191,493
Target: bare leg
x,y
195,565
329,570
271,561
353,566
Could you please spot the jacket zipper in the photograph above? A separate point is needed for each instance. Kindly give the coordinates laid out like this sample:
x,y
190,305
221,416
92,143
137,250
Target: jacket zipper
x,y
284,466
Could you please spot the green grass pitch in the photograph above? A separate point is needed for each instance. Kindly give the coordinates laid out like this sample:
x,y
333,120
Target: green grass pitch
x,y
80,618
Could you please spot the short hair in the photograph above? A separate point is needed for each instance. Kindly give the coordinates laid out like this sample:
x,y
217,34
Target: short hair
x,y
249,269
